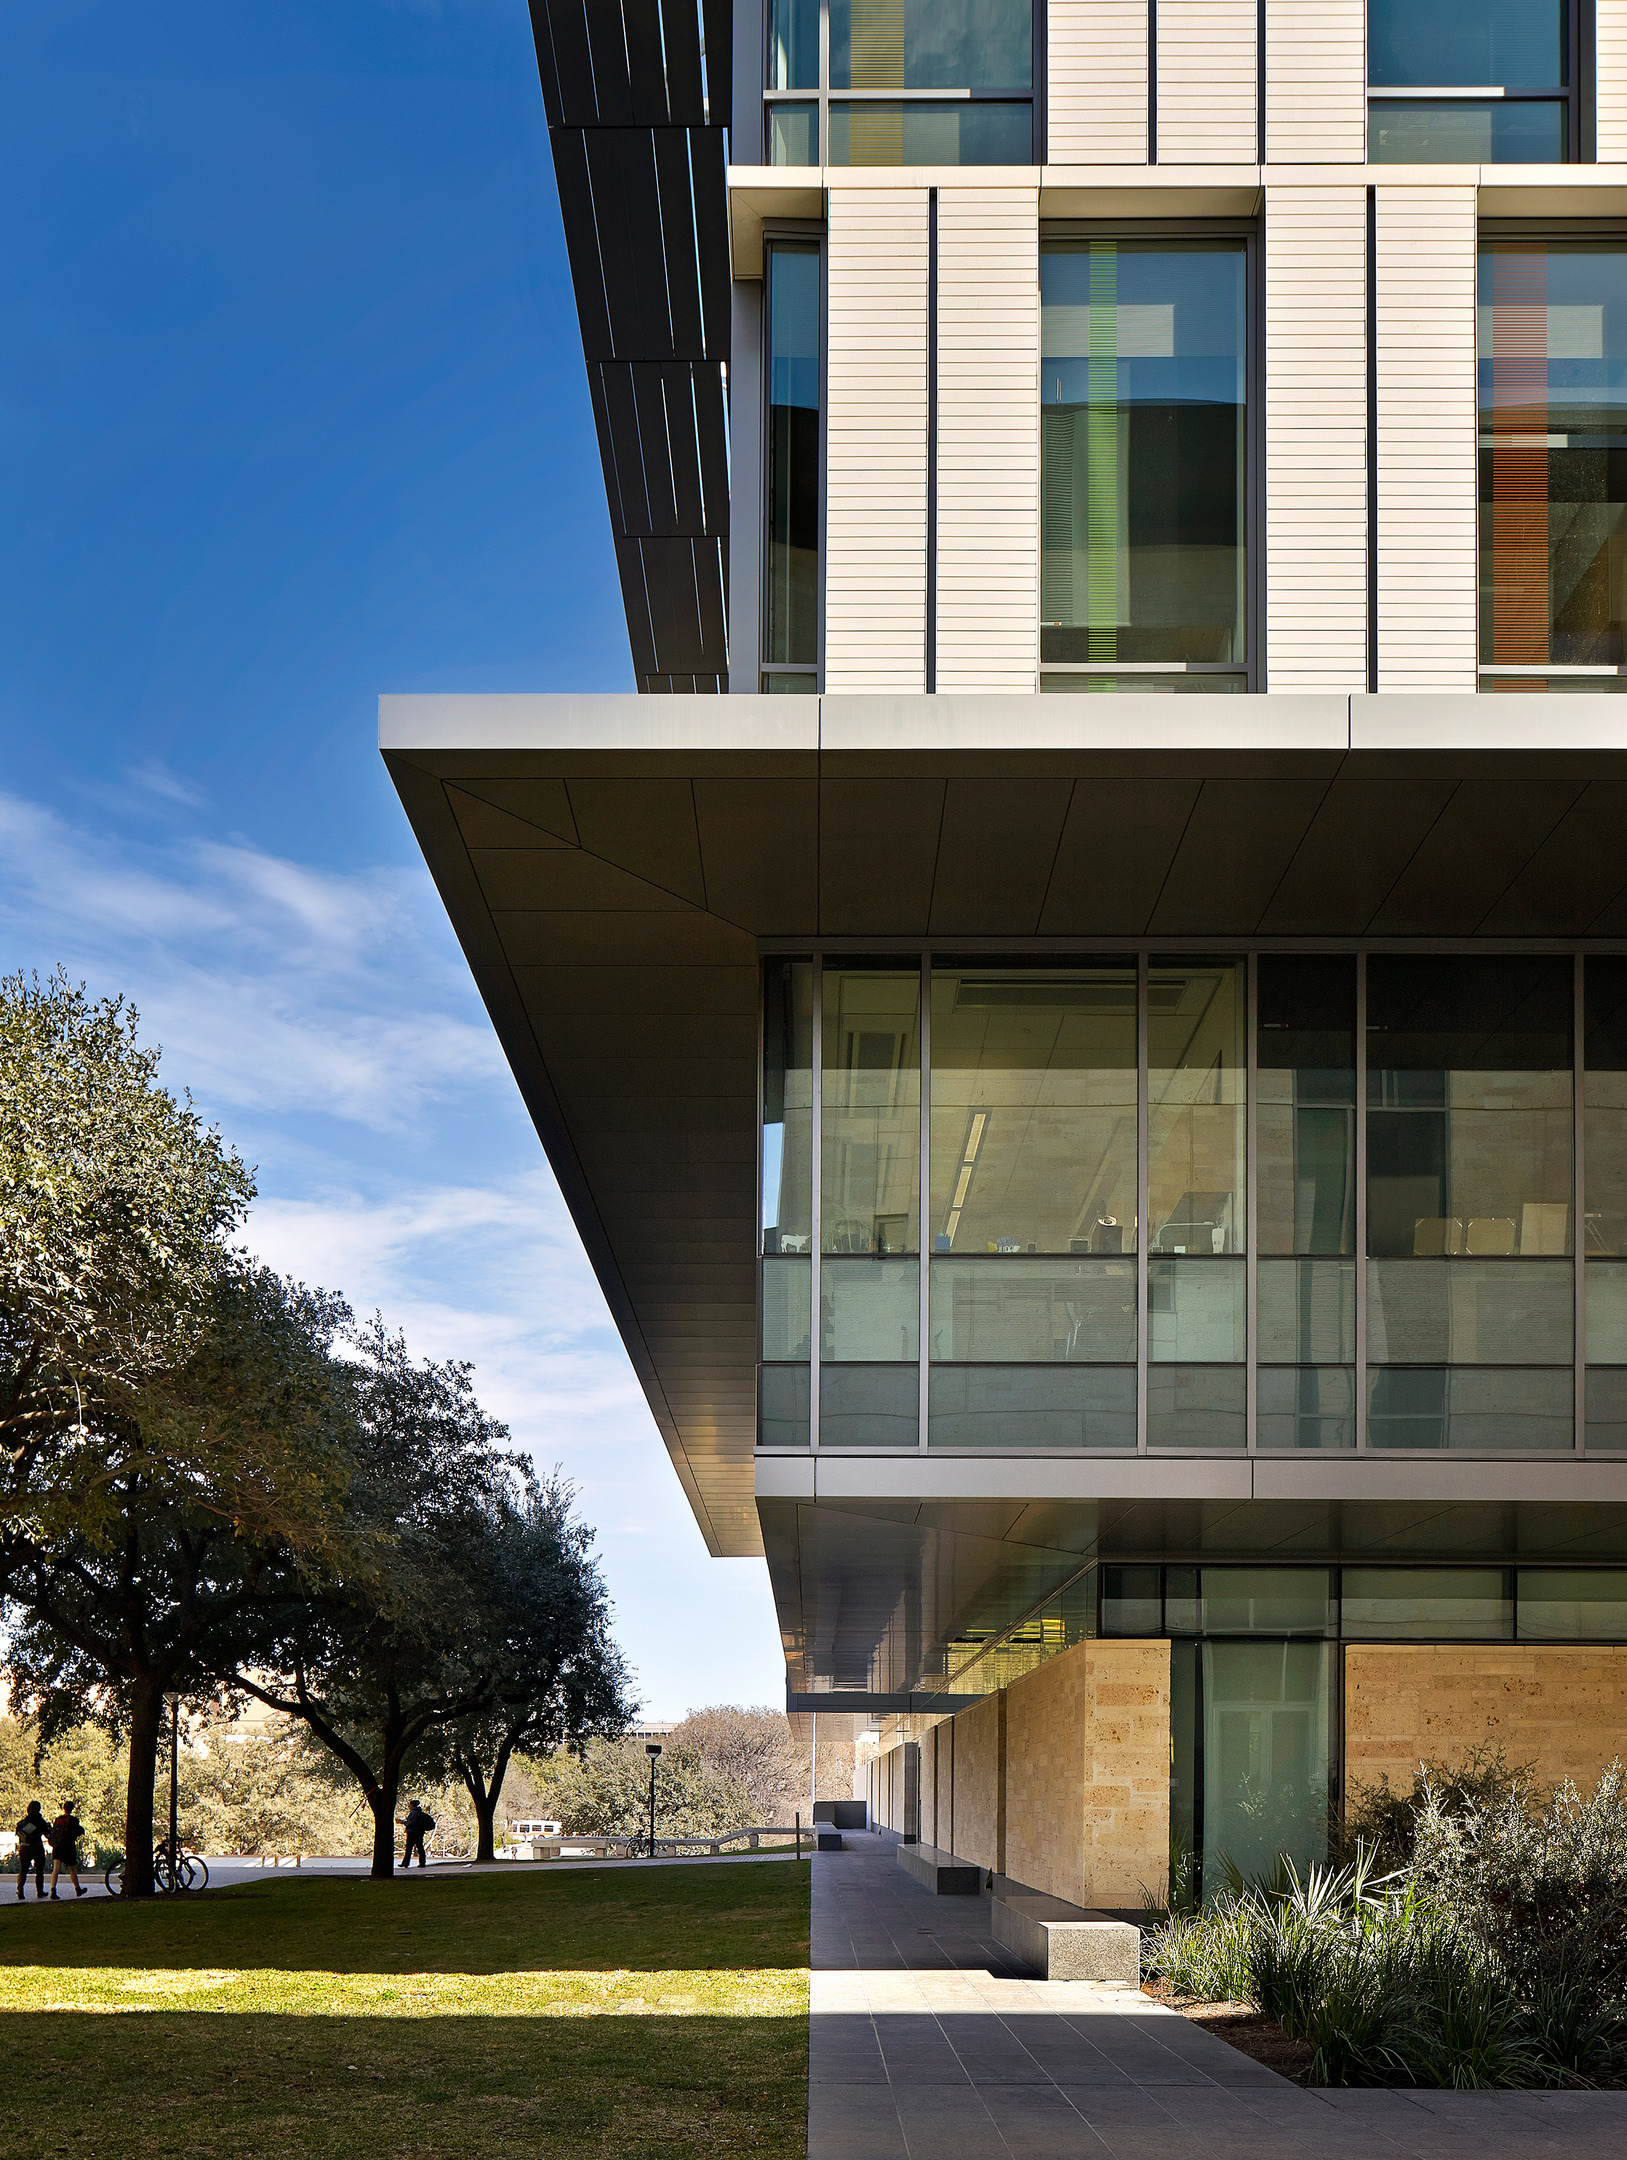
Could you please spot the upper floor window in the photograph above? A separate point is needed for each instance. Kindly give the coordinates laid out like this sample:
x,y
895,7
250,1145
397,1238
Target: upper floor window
x,y
1471,82
791,459
903,82
1143,464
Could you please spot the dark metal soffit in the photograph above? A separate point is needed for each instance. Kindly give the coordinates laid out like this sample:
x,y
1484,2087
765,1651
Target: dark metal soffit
x,y
637,97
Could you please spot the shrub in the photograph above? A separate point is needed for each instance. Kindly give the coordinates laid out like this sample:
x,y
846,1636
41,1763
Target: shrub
x,y
1574,2038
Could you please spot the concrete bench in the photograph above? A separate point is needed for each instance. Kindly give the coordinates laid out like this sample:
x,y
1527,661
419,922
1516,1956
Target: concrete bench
x,y
1059,1941
943,1873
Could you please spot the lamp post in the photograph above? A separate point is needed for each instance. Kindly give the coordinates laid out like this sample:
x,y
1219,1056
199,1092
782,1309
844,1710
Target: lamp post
x,y
174,1757
652,1748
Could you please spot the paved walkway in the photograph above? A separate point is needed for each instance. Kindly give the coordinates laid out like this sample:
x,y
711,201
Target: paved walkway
x,y
925,2043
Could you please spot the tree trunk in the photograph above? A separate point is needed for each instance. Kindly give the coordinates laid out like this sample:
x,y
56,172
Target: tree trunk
x,y
146,1718
382,1801
486,1817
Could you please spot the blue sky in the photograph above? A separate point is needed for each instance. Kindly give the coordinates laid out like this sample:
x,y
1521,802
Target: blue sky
x,y
292,412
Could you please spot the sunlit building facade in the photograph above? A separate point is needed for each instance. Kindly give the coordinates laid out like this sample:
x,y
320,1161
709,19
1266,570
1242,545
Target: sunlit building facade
x,y
1081,1010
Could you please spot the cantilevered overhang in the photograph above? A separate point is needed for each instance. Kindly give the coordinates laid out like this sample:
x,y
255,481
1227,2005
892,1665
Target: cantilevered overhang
x,y
615,866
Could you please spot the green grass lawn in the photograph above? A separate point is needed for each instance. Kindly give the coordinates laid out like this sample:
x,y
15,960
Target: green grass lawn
x,y
657,2012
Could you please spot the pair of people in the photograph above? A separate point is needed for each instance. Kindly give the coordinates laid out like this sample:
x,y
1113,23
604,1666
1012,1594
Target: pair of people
x,y
63,1836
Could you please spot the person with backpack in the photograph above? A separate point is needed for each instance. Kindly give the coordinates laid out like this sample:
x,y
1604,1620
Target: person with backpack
x,y
31,1851
419,1822
65,1834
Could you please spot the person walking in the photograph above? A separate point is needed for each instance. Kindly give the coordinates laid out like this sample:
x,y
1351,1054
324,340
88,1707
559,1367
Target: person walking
x,y
65,1834
31,1851
418,1822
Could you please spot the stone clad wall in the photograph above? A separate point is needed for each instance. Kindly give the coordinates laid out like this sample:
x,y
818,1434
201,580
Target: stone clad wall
x,y
1048,1747
1565,1710
978,1829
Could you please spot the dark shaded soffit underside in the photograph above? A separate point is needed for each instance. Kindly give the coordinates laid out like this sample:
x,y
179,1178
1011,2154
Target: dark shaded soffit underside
x,y
637,96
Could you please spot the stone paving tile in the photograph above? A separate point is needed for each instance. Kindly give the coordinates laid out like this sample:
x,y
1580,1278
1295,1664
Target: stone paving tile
x,y
949,2126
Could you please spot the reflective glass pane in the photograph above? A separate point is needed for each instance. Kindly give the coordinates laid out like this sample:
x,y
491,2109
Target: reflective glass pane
x,y
1604,1093
1430,1604
793,45
1559,1604
1306,1121
1197,1099
931,45
1305,1406
787,1308
1132,1601
1196,1406
1033,1311
968,132
1032,1406
1265,1601
1265,1756
871,1160
1205,684
1553,482
792,626
1468,1107
787,1212
783,1406
1142,444
1607,1409
1481,44
1473,1409
1464,131
1307,1312
793,134
1470,1312
869,1308
1033,1110
1197,1311
875,1406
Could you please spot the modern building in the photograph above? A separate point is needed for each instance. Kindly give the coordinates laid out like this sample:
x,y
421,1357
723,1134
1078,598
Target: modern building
x,y
1081,1013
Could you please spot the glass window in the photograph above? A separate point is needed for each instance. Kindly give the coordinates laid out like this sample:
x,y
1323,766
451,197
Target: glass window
x,y
976,131
1132,1603
1196,1091
1480,44
791,617
787,1308
1553,454
1468,1107
1607,1409
1305,1406
1142,453
1431,1604
1467,131
1265,1755
1196,1311
1604,1094
1479,1410
1033,1311
1029,1406
876,1406
1034,1110
1307,1312
1196,1406
931,45
869,1308
1265,1601
783,1406
871,1121
793,134
787,1215
1559,1604
793,45
1475,1312
1306,1120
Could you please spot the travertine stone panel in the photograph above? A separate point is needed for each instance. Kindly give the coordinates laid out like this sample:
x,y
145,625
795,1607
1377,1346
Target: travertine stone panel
x,y
1206,82
1611,93
1316,82
1565,1710
1087,1773
875,435
1427,476
1096,110
980,1781
1316,437
929,1787
988,439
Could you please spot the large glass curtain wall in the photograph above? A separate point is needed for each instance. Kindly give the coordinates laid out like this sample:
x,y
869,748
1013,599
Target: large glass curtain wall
x,y
1553,463
1149,1202
901,82
1473,82
1143,464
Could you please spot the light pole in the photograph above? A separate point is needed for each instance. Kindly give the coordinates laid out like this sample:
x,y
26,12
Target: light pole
x,y
652,1748
174,1756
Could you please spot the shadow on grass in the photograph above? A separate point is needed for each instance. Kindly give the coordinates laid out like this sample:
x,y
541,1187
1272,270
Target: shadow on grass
x,y
149,2086
670,1919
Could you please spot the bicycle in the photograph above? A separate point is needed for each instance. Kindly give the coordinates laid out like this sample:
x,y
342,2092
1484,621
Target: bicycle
x,y
181,1871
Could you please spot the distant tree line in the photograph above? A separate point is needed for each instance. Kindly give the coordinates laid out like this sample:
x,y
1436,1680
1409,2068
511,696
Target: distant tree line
x,y
217,1485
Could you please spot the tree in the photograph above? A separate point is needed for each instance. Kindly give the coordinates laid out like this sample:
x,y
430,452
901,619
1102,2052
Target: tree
x,y
116,1203
161,1533
605,1792
755,1749
557,1678
380,1659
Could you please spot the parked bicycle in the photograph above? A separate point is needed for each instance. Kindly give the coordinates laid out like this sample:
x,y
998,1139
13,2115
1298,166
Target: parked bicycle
x,y
173,1869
